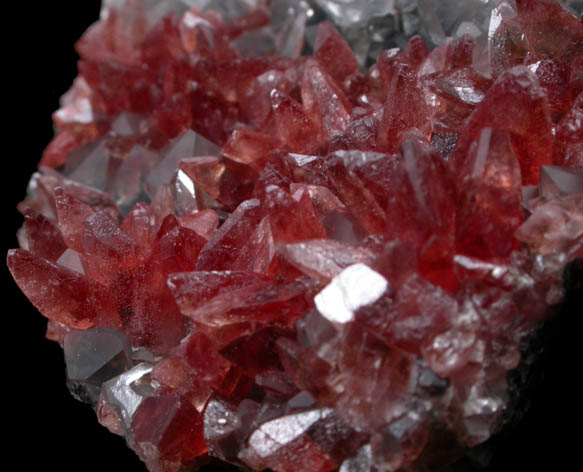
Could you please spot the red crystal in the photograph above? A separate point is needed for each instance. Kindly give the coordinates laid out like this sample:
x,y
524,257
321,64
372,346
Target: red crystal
x,y
319,266
333,53
168,430
61,294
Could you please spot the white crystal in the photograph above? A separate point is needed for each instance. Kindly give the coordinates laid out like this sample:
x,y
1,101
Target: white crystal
x,y
355,287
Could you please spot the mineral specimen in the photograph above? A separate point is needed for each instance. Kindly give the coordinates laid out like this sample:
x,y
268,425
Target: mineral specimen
x,y
258,246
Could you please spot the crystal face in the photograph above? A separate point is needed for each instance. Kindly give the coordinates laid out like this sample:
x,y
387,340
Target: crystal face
x,y
307,235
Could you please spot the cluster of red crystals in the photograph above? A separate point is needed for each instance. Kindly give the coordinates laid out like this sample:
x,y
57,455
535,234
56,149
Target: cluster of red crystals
x,y
331,267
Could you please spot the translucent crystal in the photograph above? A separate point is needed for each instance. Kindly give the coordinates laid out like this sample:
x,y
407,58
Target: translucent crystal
x,y
92,168
285,33
189,144
93,357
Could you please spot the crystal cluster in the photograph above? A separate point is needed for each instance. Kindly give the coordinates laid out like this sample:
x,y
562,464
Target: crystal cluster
x,y
307,262
373,25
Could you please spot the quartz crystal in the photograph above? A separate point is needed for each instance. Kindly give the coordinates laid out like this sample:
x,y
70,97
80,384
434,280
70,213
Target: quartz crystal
x,y
309,235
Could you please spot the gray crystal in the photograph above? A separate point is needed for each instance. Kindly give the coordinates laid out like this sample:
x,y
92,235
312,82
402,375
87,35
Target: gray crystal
x,y
22,239
370,26
275,381
284,35
154,9
362,462
289,39
313,329
36,197
220,420
141,354
126,392
129,180
127,124
468,28
350,12
575,6
480,412
92,357
91,163
560,181
431,22
256,43
428,382
188,144
71,260
302,400
274,434
229,9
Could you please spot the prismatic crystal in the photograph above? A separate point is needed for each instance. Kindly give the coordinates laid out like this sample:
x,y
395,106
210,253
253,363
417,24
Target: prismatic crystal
x,y
307,235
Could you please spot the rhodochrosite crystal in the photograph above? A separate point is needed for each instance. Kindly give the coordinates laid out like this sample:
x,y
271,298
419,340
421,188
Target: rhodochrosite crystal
x,y
258,246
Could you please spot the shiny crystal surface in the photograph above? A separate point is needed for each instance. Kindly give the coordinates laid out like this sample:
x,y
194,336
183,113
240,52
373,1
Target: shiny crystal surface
x,y
312,235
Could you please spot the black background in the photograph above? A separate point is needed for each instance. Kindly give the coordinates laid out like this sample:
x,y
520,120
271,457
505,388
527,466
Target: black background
x,y
46,427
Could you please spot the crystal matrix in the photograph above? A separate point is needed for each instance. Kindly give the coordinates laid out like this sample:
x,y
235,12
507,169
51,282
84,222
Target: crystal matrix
x,y
293,263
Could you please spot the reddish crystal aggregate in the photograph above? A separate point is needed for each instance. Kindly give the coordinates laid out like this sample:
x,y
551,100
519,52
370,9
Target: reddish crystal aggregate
x,y
328,267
